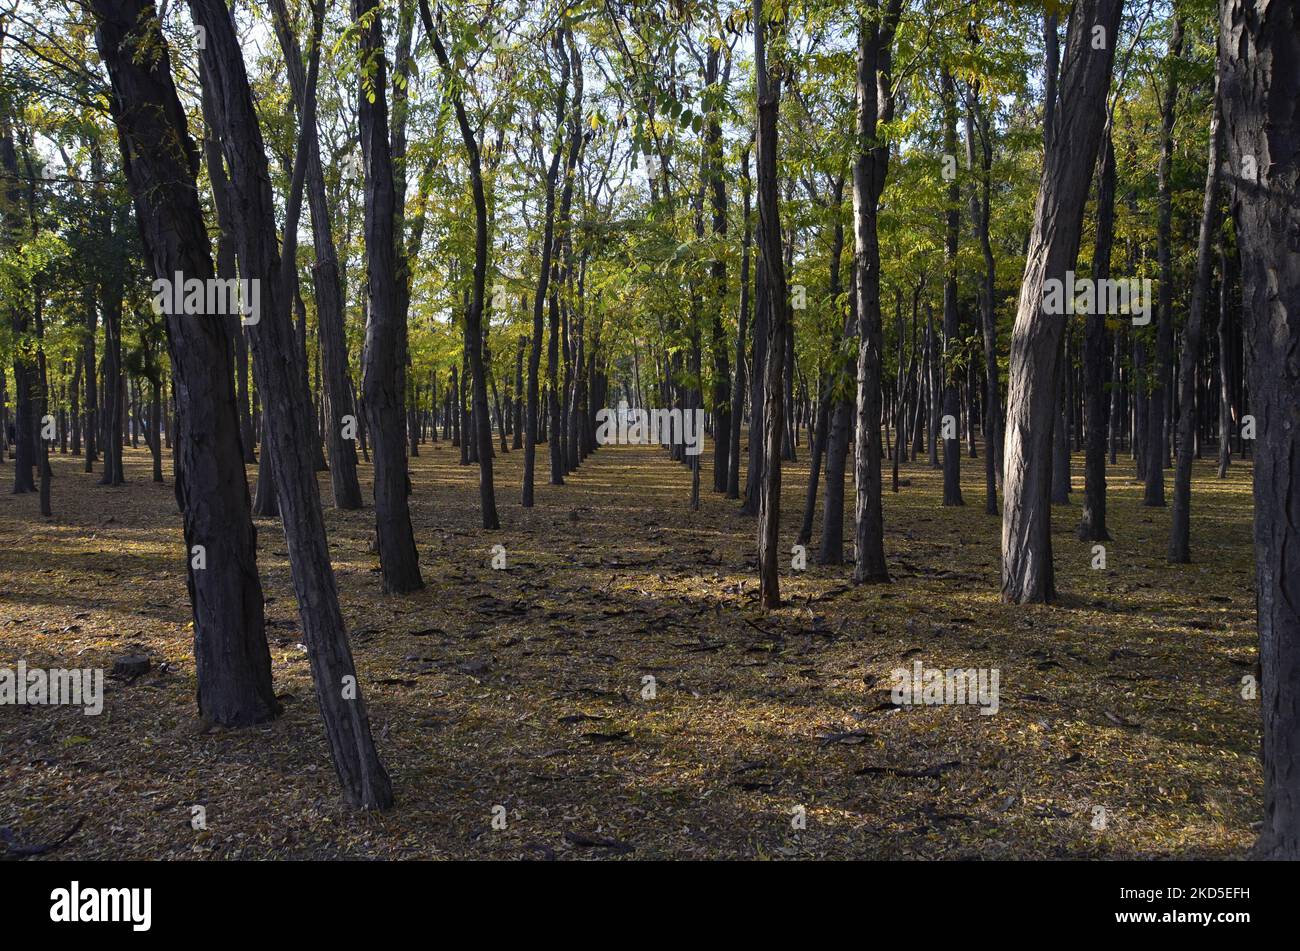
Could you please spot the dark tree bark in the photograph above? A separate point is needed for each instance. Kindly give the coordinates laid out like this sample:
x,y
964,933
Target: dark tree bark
x,y
875,104
1092,525
542,291
1180,528
232,662
1259,49
25,422
767,91
951,318
561,258
977,124
474,313
1225,362
833,395
290,424
326,277
1036,339
383,380
88,304
742,324
721,402
1156,448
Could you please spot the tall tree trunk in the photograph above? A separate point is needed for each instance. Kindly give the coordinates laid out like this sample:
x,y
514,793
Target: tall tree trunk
x,y
1180,529
326,276
951,318
875,104
232,662
767,91
721,402
1225,362
742,323
978,124
290,427
474,313
1027,573
383,380
541,292
1154,492
1092,525
1259,49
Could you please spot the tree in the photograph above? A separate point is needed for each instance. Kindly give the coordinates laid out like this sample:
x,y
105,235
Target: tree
x,y
326,275
875,105
767,90
1259,82
474,313
384,374
1180,529
289,421
231,657
1074,133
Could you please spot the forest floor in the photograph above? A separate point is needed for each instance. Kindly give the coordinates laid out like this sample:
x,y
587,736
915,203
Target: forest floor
x,y
1122,731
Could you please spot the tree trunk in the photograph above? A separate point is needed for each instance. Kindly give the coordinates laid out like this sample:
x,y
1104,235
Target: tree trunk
x,y
1259,46
326,278
541,294
875,103
951,318
1225,363
1036,339
771,263
1154,492
742,322
1092,525
288,416
232,662
1180,529
383,379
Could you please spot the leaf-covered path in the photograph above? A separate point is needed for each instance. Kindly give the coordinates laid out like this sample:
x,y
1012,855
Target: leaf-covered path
x,y
1121,730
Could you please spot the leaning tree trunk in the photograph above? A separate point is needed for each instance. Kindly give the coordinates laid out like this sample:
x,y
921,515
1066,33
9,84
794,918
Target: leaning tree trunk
x,y
1259,48
288,413
327,280
1036,338
232,662
1180,529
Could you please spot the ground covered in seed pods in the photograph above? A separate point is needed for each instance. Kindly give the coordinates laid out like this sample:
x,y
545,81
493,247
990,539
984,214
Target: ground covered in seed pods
x,y
521,694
